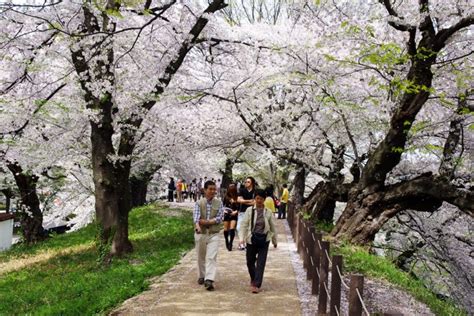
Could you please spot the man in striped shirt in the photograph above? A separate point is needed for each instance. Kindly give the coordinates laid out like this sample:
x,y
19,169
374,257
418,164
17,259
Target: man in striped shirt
x,y
207,217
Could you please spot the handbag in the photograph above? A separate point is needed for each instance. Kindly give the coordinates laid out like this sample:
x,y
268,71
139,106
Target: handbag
x,y
258,240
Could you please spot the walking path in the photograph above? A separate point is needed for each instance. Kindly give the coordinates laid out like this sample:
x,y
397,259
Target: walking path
x,y
177,292
285,289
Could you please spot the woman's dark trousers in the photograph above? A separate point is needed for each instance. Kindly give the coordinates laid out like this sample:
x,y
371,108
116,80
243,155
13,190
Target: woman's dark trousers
x,y
256,260
282,211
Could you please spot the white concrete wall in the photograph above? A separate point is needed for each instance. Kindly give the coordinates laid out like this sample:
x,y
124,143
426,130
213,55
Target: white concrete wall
x,y
6,233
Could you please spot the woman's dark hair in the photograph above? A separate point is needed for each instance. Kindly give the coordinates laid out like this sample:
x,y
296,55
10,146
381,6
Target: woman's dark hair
x,y
252,179
231,193
260,193
269,190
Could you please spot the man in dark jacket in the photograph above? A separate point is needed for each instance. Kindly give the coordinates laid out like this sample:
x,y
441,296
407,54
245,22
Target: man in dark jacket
x,y
171,189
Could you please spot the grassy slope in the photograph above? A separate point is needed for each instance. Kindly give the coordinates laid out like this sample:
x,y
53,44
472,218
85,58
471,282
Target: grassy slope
x,y
74,284
357,259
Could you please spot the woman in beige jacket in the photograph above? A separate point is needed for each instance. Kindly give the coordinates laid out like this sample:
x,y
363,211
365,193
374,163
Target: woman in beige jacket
x,y
257,230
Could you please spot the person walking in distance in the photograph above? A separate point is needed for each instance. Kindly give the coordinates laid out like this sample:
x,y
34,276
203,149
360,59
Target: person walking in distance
x,y
171,188
245,198
193,191
257,230
283,202
218,187
208,215
230,215
179,191
200,188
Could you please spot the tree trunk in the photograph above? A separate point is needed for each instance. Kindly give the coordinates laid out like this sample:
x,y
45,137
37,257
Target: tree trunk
x,y
31,218
297,195
121,243
111,178
322,200
8,195
371,204
107,186
227,175
139,186
322,204
366,213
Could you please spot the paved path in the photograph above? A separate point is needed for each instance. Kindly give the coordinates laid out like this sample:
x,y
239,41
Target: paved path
x,y
177,292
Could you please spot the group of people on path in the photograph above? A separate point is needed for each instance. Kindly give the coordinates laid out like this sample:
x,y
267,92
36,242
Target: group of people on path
x,y
250,211
182,191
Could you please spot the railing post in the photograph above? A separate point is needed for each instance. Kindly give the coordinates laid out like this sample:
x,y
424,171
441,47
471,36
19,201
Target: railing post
x,y
355,305
308,243
300,235
317,262
295,223
297,233
304,248
335,301
312,231
323,281
288,213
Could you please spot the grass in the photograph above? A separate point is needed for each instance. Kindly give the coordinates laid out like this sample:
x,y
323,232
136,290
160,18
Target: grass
x,y
74,284
357,259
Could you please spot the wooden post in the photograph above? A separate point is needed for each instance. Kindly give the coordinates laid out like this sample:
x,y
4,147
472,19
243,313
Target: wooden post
x,y
290,215
335,302
304,244
293,223
300,235
355,306
317,263
311,229
297,233
323,272
309,244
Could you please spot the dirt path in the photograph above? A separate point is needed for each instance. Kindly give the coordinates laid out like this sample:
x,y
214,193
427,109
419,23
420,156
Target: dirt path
x,y
177,292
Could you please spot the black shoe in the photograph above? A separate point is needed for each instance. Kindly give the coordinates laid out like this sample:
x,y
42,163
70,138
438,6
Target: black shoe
x,y
201,281
208,284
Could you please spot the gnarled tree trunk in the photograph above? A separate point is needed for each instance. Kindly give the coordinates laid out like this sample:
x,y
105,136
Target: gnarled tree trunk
x,y
322,200
8,193
371,203
139,185
227,174
297,196
31,217
111,175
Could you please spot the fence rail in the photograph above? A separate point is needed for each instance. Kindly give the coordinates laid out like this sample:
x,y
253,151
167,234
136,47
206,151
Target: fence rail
x,y
318,264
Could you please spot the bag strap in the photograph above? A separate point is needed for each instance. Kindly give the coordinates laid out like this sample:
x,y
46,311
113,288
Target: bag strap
x,y
251,219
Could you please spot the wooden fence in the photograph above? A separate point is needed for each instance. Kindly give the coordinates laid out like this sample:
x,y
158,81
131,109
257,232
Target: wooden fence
x,y
318,264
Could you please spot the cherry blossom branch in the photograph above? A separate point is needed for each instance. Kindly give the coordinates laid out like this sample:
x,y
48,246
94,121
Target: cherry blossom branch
x,y
40,105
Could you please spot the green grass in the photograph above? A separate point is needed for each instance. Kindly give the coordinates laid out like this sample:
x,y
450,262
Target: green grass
x,y
357,259
56,242
74,284
324,226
